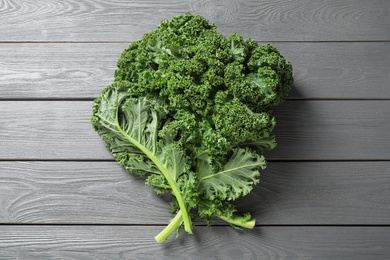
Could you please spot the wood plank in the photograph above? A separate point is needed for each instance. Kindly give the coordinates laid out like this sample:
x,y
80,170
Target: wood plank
x,y
80,70
76,192
295,193
332,130
36,70
49,130
320,130
321,193
128,242
266,20
339,70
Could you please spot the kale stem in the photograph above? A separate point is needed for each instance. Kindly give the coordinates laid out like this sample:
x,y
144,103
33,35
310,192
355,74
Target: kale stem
x,y
176,222
239,221
173,225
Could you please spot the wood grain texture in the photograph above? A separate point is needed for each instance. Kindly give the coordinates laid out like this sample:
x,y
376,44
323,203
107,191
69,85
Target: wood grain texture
x,y
77,192
332,130
266,20
305,130
80,70
49,130
128,242
293,193
324,195
321,193
339,70
56,70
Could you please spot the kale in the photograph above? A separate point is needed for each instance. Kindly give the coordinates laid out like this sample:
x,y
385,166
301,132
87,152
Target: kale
x,y
190,111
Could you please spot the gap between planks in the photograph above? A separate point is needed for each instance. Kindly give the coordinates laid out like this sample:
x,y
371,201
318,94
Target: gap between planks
x,y
104,42
113,160
287,98
197,224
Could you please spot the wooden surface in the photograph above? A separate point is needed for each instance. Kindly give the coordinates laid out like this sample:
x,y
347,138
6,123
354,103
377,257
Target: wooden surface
x,y
324,195
136,242
331,70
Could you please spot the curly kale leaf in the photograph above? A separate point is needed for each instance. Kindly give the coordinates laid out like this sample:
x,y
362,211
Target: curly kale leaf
x,y
132,124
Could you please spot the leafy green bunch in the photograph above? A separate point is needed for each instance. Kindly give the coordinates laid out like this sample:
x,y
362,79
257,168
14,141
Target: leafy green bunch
x,y
190,112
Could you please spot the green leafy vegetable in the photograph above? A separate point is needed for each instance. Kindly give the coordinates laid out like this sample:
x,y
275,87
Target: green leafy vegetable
x,y
190,111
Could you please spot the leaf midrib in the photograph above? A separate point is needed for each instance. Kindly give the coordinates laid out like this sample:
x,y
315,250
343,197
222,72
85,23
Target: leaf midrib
x,y
230,170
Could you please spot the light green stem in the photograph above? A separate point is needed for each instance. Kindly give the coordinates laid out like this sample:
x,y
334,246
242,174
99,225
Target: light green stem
x,y
178,220
238,221
173,225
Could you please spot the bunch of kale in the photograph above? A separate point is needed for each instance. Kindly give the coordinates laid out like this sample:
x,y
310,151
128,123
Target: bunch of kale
x,y
190,111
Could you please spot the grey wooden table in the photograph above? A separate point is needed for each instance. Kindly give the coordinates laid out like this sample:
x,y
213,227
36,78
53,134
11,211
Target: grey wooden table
x,y
325,194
